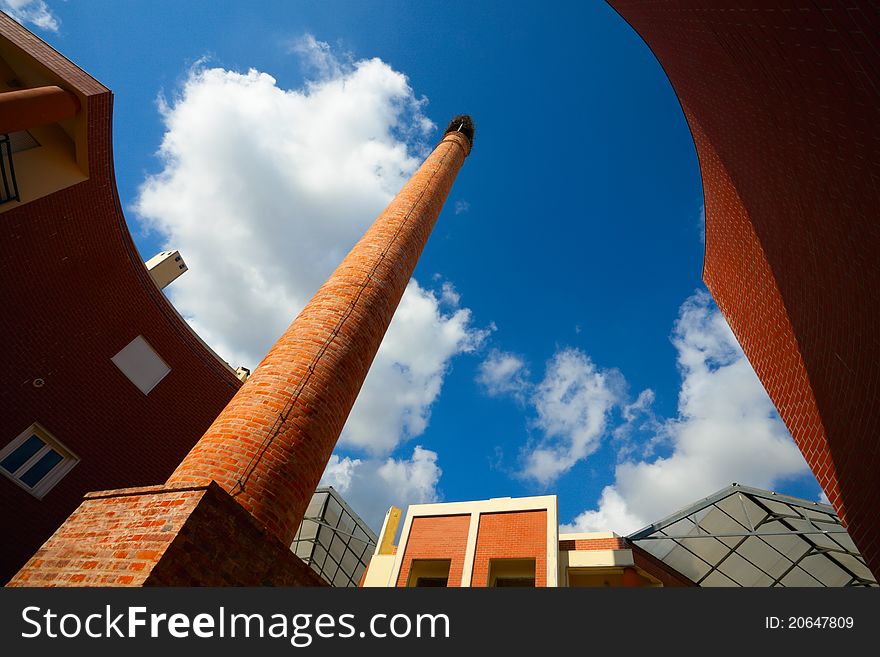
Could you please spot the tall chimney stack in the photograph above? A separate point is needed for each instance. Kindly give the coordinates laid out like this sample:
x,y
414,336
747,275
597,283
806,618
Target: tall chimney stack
x,y
270,445
228,513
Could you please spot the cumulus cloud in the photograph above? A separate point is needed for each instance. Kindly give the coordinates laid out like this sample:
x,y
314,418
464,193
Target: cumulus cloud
x,y
35,12
371,486
573,404
503,373
265,189
726,431
408,372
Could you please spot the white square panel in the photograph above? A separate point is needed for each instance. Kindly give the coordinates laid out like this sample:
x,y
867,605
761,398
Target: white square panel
x,y
141,364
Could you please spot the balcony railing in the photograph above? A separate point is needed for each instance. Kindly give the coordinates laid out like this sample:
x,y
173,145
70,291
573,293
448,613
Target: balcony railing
x,y
8,183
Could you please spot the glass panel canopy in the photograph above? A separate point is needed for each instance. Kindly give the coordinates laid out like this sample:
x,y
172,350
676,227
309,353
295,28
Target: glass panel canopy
x,y
334,540
743,536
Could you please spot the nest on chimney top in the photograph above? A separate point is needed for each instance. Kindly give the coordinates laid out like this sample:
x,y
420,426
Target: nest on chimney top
x,y
464,124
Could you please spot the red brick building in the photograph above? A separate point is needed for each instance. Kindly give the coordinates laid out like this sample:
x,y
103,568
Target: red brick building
x,y
76,294
783,101
738,537
506,542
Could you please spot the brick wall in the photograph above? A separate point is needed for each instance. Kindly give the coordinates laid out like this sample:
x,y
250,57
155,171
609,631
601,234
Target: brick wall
x,y
511,535
784,107
436,537
163,537
75,292
614,543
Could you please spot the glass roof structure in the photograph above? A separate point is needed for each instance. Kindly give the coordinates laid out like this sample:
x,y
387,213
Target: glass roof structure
x,y
333,539
743,536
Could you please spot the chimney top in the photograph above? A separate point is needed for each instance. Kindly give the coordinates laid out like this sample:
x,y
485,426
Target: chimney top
x,y
464,124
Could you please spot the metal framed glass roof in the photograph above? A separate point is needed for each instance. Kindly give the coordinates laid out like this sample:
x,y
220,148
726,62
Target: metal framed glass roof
x,y
334,540
743,536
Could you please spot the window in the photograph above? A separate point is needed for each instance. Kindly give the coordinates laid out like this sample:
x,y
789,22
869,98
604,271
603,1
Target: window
x,y
141,364
512,573
429,572
435,582
36,461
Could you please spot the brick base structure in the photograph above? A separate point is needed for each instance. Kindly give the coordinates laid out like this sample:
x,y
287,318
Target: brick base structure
x,y
162,536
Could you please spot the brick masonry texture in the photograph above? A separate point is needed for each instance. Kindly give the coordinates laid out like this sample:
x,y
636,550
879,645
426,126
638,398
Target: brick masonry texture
x,y
437,537
75,292
270,445
163,537
511,535
616,543
782,100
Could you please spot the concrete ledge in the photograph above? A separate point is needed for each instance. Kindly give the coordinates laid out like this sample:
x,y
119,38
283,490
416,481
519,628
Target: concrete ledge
x,y
587,536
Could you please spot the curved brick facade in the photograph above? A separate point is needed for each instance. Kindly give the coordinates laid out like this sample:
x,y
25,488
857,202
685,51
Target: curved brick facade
x,y
74,292
270,445
784,107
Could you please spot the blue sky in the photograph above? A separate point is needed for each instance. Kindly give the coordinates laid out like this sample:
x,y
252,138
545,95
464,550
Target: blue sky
x,y
558,338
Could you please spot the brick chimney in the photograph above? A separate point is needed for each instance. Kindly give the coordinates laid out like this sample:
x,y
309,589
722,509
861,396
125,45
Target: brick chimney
x,y
229,512
270,445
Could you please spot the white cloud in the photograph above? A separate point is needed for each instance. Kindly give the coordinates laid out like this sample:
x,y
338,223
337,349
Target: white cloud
x,y
503,373
461,207
613,514
406,377
641,405
265,189
449,295
35,12
726,431
573,404
371,486
319,56
701,223
638,419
